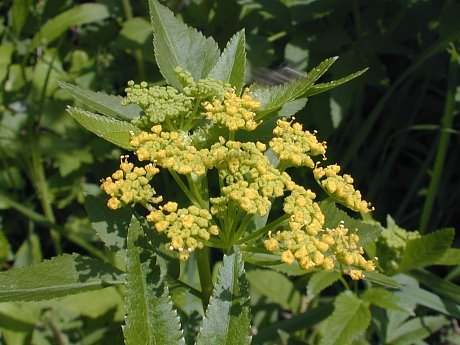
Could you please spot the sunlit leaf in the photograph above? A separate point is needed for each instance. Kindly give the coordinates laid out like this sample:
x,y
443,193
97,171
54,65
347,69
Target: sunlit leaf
x,y
61,276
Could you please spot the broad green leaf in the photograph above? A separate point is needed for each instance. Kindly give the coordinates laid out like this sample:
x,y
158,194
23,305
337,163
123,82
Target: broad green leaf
x,y
228,317
60,276
231,66
77,15
450,258
429,300
6,53
367,231
320,281
323,87
350,319
19,12
382,279
295,323
280,290
151,318
176,44
438,285
416,329
30,252
115,131
383,298
425,251
103,103
273,97
136,37
111,226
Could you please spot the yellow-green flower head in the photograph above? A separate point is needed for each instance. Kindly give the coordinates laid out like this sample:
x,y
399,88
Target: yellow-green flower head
x,y
186,228
305,214
233,112
157,102
324,250
340,187
294,146
247,198
171,150
130,185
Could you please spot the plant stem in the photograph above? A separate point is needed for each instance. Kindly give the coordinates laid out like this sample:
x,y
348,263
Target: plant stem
x,y
204,272
444,135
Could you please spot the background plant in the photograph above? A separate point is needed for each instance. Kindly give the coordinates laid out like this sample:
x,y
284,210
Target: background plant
x,y
271,41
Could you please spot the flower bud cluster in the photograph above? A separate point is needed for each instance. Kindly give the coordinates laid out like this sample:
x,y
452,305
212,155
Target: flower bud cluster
x,y
293,146
340,187
234,112
171,150
158,103
185,228
130,185
203,89
323,250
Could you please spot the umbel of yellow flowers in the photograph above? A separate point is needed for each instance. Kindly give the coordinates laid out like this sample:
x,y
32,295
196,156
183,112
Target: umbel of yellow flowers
x,y
248,182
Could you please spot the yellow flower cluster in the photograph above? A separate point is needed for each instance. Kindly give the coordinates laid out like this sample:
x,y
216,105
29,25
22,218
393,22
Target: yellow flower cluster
x,y
323,250
294,146
249,177
130,185
170,150
306,214
185,227
340,187
234,112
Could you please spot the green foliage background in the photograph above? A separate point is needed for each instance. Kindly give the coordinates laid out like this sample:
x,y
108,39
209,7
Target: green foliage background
x,y
395,128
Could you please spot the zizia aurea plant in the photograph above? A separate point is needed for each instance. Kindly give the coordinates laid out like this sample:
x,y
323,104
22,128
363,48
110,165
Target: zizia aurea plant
x,y
227,149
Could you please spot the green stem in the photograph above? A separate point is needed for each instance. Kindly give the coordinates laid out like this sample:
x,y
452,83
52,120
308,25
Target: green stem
x,y
183,187
265,229
204,272
444,135
247,219
137,53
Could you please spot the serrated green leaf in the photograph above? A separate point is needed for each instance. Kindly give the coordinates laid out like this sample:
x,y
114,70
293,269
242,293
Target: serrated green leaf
x,y
280,290
111,226
103,103
350,319
382,279
231,66
319,281
115,131
60,276
367,231
450,258
228,318
273,97
427,250
429,300
323,87
151,318
176,44
383,298
416,329
77,15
